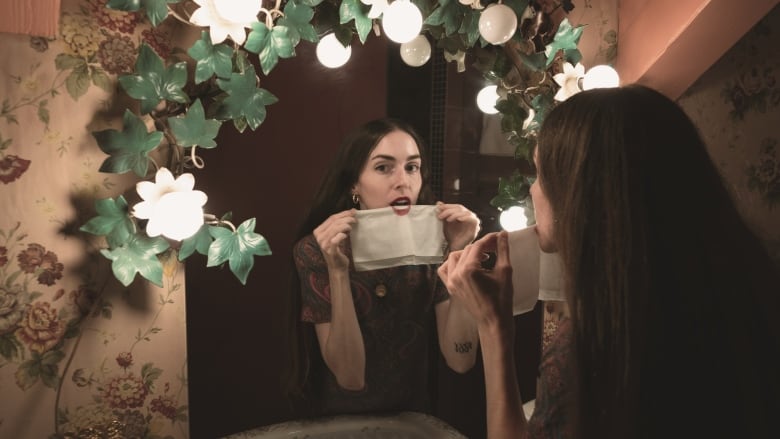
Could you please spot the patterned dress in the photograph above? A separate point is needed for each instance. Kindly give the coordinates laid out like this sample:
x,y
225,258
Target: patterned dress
x,y
397,328
551,417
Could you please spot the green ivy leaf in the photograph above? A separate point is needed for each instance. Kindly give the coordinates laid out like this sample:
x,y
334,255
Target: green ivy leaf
x,y
296,19
566,38
469,27
237,248
194,129
542,104
199,242
124,5
518,6
152,82
512,191
211,59
512,115
157,10
112,221
449,14
269,45
356,10
138,255
129,148
244,99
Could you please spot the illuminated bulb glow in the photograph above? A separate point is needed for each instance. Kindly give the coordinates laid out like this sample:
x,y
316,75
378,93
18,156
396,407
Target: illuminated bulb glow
x,y
486,99
177,215
402,21
601,76
513,219
331,53
416,52
171,206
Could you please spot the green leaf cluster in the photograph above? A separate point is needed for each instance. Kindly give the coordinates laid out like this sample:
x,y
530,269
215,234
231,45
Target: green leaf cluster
x,y
182,105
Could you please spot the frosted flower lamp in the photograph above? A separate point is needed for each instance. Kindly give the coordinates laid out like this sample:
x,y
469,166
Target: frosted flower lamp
x,y
173,209
487,98
601,76
569,80
226,18
513,219
332,53
497,24
416,52
402,21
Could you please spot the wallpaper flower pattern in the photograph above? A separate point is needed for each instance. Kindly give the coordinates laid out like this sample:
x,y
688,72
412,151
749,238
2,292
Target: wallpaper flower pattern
x,y
80,355
736,105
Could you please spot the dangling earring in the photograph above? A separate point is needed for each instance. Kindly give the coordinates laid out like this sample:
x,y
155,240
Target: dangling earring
x,y
355,199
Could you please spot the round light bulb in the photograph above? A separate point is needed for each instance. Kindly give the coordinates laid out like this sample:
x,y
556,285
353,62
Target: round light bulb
x,y
331,53
513,219
497,23
402,21
486,99
416,52
601,76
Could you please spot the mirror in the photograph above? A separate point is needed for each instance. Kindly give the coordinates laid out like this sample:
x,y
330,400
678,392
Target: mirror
x,y
238,338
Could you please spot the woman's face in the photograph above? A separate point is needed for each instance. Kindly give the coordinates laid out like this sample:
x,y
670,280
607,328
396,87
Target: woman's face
x,y
543,213
391,175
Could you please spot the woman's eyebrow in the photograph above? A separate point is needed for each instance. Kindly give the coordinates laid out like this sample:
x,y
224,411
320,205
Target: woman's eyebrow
x,y
391,158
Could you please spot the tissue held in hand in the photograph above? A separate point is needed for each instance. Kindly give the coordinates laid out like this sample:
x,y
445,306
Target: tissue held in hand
x,y
535,274
382,239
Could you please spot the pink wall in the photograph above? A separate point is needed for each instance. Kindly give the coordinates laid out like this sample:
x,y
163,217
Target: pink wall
x,y
668,44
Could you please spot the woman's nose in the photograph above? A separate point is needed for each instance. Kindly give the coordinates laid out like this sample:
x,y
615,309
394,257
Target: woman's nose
x,y
400,179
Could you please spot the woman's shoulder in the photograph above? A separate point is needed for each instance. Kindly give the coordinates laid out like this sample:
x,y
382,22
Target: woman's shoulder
x,y
307,242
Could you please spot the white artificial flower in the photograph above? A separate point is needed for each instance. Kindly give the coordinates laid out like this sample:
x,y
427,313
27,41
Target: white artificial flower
x,y
569,81
459,57
171,206
377,7
474,4
226,18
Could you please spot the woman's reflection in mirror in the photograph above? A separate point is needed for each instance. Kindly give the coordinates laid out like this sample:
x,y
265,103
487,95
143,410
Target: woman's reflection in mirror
x,y
366,336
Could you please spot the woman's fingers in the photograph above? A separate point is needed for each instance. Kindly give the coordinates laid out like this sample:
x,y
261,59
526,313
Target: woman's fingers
x,y
334,230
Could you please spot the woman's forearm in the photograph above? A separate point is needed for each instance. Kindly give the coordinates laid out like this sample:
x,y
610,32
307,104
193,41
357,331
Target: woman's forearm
x,y
505,417
458,336
344,351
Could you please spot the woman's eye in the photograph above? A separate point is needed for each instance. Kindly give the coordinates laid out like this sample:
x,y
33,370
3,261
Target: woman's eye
x,y
412,167
382,168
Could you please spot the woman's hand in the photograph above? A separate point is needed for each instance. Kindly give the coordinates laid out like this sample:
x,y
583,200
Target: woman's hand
x,y
332,235
486,293
460,224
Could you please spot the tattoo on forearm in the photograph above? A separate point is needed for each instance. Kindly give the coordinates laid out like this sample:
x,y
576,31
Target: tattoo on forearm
x,y
463,348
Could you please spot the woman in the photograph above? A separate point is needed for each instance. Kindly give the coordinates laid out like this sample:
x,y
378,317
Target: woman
x,y
673,301
372,327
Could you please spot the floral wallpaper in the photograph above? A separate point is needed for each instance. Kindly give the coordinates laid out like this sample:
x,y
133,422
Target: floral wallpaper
x,y
736,105
80,355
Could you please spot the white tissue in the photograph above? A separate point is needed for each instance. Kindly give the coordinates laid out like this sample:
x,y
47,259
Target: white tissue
x,y
382,239
536,275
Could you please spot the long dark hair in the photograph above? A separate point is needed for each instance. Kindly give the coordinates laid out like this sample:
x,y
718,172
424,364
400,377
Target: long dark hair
x,y
674,301
334,195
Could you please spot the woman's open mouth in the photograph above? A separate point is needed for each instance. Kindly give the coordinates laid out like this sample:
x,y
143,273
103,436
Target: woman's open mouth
x,y
401,206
